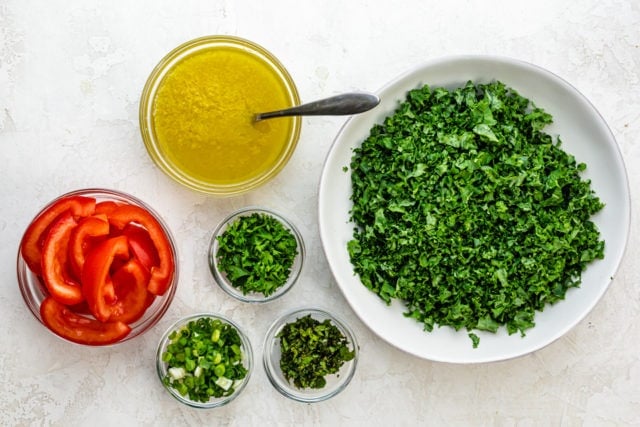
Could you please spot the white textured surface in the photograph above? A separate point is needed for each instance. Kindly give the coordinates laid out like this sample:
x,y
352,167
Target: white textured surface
x,y
70,79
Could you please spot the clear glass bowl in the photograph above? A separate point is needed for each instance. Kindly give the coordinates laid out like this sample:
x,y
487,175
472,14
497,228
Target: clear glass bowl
x,y
34,291
221,278
272,352
178,170
247,361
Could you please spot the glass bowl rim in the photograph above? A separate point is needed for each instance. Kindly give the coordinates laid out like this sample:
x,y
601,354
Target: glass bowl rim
x,y
247,358
106,194
270,341
296,268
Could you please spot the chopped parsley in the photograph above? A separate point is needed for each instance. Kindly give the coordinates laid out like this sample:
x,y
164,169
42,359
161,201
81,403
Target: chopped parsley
x,y
468,212
256,252
312,349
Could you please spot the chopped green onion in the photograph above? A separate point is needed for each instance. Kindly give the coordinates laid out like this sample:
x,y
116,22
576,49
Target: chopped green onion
x,y
224,383
204,360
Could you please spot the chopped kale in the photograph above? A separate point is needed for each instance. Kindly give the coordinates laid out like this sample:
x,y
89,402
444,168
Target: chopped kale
x,y
468,212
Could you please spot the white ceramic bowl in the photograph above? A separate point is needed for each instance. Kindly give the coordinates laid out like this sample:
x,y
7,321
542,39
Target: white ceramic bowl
x,y
584,134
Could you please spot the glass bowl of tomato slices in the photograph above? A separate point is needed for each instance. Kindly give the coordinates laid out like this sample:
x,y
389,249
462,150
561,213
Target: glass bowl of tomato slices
x,y
97,267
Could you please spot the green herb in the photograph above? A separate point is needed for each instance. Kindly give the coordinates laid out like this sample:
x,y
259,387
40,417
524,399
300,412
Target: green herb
x,y
257,252
311,350
204,359
468,212
475,339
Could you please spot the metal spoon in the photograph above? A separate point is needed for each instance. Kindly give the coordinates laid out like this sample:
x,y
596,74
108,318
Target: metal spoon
x,y
339,105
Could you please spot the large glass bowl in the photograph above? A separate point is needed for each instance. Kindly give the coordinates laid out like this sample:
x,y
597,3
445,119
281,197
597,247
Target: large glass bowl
x,y
197,97
34,291
213,402
335,383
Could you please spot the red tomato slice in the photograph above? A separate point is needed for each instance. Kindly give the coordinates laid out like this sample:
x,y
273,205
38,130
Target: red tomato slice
x,y
141,245
80,242
162,274
64,322
130,285
97,285
31,244
55,264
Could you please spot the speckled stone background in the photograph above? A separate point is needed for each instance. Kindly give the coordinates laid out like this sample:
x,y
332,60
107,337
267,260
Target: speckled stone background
x,y
71,74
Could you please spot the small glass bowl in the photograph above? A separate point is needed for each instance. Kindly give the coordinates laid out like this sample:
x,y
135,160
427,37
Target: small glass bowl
x,y
167,162
221,278
271,359
34,291
247,361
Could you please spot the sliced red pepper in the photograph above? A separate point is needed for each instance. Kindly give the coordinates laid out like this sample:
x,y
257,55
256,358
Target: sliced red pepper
x,y
130,285
162,274
79,242
97,285
81,308
31,245
141,245
106,207
55,264
67,324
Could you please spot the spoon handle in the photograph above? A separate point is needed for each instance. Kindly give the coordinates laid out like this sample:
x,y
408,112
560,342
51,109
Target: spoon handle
x,y
345,104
